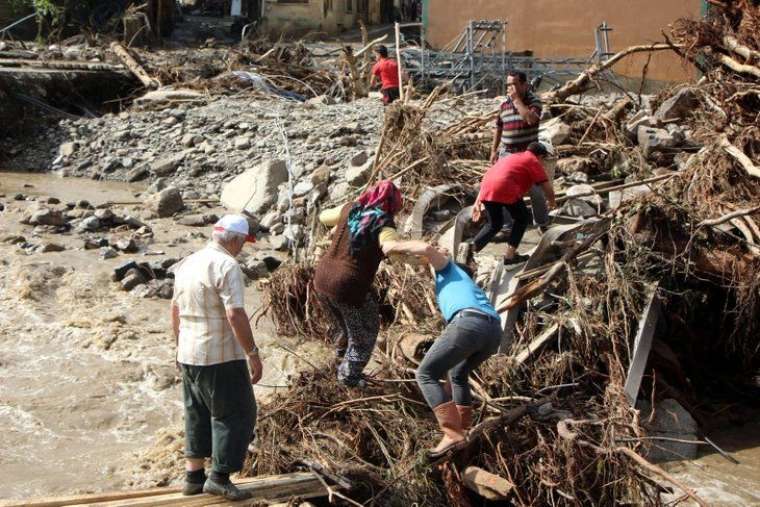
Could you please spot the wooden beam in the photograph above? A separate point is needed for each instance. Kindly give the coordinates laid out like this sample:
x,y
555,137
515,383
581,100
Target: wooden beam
x,y
486,484
537,344
60,64
270,488
137,70
642,345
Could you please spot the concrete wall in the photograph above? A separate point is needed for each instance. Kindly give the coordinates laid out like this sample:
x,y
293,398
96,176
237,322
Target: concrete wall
x,y
328,16
552,28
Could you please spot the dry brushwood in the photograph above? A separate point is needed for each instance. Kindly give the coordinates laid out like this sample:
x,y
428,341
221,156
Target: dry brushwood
x,y
696,235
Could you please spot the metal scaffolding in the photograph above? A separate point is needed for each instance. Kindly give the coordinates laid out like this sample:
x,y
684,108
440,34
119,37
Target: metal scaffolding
x,y
479,58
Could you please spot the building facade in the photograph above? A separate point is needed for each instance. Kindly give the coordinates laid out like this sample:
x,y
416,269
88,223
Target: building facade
x,y
325,16
555,29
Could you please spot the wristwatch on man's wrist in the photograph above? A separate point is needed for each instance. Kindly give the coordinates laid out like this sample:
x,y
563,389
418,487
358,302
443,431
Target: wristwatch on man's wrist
x,y
253,352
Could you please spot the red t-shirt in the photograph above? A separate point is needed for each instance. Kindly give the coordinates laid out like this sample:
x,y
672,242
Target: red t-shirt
x,y
387,70
511,178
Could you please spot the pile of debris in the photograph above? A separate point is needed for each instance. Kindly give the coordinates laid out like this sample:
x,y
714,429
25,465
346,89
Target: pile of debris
x,y
626,305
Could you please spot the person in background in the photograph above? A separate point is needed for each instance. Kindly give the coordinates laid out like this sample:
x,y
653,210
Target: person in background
x,y
215,350
387,71
516,128
472,335
346,272
502,189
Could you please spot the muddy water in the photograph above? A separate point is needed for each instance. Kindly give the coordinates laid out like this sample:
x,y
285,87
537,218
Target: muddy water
x,y
67,189
719,481
87,380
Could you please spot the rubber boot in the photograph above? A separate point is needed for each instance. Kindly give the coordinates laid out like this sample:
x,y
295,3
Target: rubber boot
x,y
451,427
465,415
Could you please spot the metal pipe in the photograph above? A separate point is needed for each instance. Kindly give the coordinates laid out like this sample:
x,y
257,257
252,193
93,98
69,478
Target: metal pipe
x,y
424,51
399,62
18,22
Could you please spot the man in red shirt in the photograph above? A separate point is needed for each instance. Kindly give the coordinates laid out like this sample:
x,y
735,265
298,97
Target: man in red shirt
x,y
503,187
387,71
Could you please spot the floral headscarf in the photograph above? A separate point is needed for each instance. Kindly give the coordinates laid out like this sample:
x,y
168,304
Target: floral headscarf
x,y
373,210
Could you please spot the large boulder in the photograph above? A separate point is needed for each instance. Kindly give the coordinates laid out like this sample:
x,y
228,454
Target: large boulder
x,y
166,202
67,149
571,165
357,176
556,131
46,216
677,427
167,165
678,106
640,119
653,139
255,191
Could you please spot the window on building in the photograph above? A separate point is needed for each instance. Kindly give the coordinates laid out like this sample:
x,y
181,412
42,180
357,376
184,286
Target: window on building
x,y
349,6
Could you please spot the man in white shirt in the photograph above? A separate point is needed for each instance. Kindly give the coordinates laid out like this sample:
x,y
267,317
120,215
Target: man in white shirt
x,y
215,349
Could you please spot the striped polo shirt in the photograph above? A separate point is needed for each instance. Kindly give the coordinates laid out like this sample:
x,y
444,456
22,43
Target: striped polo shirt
x,y
516,135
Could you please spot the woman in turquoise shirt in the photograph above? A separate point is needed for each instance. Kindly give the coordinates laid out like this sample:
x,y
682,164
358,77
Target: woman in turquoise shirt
x,y
472,335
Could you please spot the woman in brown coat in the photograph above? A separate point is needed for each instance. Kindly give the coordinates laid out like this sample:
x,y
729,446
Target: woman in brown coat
x,y
345,274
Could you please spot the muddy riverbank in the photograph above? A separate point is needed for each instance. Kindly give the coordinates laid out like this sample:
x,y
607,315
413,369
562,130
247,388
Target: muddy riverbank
x,y
87,378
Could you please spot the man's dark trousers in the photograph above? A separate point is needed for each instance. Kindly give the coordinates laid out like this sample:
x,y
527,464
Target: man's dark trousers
x,y
220,413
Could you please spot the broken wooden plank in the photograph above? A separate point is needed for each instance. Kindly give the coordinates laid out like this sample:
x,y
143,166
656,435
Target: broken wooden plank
x,y
89,499
137,70
540,256
642,345
536,345
59,64
270,488
486,484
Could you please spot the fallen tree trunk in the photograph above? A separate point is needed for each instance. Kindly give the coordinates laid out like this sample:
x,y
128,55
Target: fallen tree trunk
x,y
579,84
734,45
741,68
137,70
739,156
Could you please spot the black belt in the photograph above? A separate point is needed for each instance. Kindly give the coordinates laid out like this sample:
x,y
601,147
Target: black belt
x,y
469,312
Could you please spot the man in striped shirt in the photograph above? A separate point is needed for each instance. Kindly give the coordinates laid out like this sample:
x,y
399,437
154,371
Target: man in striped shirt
x,y
516,128
519,115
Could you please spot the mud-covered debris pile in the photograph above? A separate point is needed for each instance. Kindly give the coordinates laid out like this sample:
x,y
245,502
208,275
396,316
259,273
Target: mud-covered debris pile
x,y
564,431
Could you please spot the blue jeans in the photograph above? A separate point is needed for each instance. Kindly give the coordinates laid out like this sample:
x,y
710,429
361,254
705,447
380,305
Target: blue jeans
x,y
467,341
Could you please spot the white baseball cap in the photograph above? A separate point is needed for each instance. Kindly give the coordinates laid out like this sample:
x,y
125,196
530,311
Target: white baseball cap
x,y
235,223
